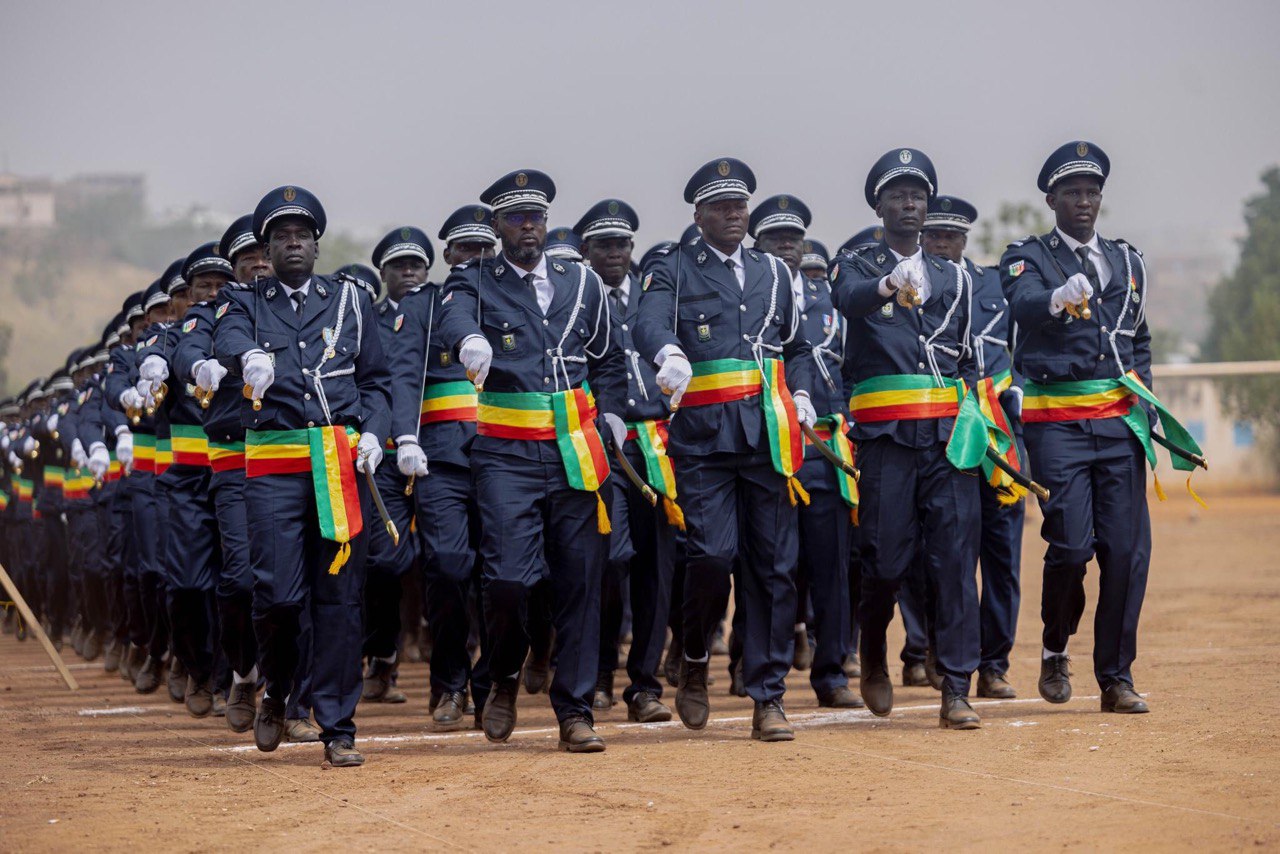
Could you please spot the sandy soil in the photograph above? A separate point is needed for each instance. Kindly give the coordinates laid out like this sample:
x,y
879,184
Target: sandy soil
x,y
1201,771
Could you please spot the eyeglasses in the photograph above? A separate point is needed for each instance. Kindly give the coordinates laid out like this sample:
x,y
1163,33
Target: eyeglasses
x,y
515,219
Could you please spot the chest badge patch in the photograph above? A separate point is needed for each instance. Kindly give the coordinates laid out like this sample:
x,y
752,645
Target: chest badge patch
x,y
222,309
445,359
886,310
399,322
1016,268
509,341
704,332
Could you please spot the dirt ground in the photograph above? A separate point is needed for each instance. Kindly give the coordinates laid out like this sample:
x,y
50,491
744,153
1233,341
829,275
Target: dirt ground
x,y
107,769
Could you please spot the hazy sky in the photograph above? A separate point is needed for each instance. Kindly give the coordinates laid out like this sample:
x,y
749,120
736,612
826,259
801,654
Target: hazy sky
x,y
399,112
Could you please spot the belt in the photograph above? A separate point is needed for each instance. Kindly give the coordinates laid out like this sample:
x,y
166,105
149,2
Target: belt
x,y
725,380
452,401
327,454
568,417
190,445
144,452
226,456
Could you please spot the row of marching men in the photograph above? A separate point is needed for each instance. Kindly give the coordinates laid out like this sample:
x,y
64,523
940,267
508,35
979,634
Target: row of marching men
x,y
556,424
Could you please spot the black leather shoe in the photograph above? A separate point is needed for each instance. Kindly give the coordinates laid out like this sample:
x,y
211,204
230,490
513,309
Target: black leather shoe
x,y
671,664
268,724
537,671
647,709
1055,678
876,687
198,697
802,656
841,698
219,709
956,713
378,684
995,686
1123,700
342,754
450,713
931,669
132,666
500,710
913,675
92,645
852,670
177,680
692,703
603,700
241,706
148,679
737,685
111,656
578,736
769,723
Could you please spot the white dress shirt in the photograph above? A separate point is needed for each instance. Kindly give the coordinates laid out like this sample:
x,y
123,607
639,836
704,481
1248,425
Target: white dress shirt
x,y
1095,255
739,271
542,287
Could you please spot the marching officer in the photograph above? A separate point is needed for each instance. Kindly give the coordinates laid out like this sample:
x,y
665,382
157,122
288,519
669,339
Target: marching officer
x,y
945,234
718,320
403,257
778,225
642,546
1084,351
533,333
317,397
919,435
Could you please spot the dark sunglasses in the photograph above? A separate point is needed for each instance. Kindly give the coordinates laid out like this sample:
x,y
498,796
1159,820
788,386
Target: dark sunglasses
x,y
515,219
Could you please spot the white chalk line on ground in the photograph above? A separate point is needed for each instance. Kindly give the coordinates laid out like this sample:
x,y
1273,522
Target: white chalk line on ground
x,y
804,720
114,710
1039,784
341,802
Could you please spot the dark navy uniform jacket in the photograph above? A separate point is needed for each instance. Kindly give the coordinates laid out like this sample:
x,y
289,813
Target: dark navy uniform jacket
x,y
1051,349
710,317
822,325
180,405
885,338
222,419
991,323
356,382
489,297
415,360
120,369
645,401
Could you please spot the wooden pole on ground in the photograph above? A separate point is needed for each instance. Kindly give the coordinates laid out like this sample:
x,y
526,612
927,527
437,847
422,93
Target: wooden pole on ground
x,y
34,625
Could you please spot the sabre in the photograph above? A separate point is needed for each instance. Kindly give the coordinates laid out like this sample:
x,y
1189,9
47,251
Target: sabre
x,y
205,396
632,475
1176,451
1080,310
830,455
1018,477
248,395
382,508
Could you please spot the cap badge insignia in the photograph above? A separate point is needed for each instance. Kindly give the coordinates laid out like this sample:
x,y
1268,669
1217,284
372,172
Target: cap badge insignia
x,y
878,234
880,258
478,215
405,233
290,194
784,203
1082,149
521,179
905,156
613,208
723,168
945,204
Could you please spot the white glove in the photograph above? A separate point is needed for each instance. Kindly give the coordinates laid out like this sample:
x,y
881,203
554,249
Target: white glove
x,y
411,459
154,369
476,356
52,423
258,372
27,444
130,399
1075,291
369,451
124,448
674,375
78,456
617,428
1013,400
99,461
805,413
144,389
14,461
209,374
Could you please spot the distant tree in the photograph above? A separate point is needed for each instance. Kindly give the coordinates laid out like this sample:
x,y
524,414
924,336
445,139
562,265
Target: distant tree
x,y
1011,221
6,338
1244,308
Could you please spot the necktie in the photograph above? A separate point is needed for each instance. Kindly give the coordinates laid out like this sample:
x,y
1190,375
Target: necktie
x,y
619,302
298,297
1089,270
529,279
728,262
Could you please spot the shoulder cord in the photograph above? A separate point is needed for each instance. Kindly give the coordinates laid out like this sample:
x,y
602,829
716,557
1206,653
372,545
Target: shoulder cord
x,y
558,358
929,346
757,342
985,337
1124,310
317,375
823,350
426,350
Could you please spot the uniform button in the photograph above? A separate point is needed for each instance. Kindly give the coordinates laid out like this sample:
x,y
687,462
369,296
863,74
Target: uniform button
x,y
624,327
545,322
702,317
266,343
1104,329
629,376
1102,357
742,308
922,338
548,352
302,344
307,396
505,324
920,365
919,311
631,403
804,317
546,380
311,423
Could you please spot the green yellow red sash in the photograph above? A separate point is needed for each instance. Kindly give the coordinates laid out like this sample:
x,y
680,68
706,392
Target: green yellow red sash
x,y
55,477
226,456
568,418
1113,398
164,455
1000,437
144,452
725,380
78,485
327,454
651,438
24,490
914,397
115,470
833,430
190,445
452,401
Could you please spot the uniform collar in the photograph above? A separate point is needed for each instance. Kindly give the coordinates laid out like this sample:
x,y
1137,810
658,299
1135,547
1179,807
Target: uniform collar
x,y
1074,245
736,256
539,272
304,288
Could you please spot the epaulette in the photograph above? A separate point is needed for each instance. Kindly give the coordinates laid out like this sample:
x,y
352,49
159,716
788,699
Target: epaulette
x,y
415,289
1028,239
238,286
1120,241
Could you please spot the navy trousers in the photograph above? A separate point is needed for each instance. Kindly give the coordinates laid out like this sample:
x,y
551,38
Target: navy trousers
x,y
737,503
914,500
233,592
388,563
1097,507
825,530
192,561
